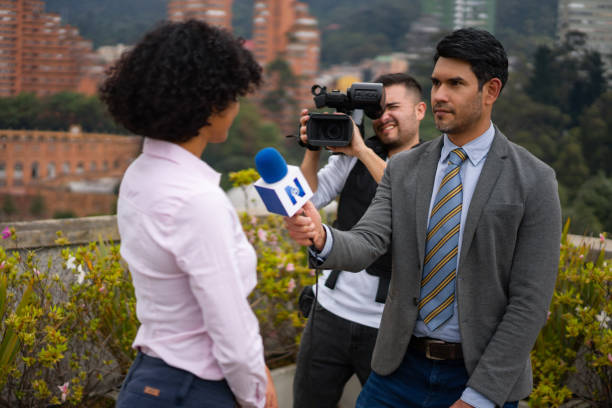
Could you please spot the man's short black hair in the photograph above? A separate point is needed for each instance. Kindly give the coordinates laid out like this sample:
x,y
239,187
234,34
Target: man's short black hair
x,y
480,49
401,78
176,77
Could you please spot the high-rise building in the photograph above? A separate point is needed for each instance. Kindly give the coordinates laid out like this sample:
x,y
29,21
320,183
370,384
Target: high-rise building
x,y
214,12
284,29
591,17
38,54
455,14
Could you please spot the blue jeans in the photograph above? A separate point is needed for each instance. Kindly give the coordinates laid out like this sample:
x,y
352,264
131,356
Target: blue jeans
x,y
418,382
151,383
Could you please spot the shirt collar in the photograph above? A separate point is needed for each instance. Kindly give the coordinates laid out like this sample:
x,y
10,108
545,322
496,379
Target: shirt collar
x,y
476,149
175,153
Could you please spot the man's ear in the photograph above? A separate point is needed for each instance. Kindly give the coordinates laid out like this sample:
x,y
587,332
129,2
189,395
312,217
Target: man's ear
x,y
491,90
420,109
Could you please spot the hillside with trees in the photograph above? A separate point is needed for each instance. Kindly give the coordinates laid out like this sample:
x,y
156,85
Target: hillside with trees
x,y
557,103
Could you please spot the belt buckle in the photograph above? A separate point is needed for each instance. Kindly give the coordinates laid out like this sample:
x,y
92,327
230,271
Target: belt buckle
x,y
428,343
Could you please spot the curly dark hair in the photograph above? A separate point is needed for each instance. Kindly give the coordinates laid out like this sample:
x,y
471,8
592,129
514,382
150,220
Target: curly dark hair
x,y
484,53
176,77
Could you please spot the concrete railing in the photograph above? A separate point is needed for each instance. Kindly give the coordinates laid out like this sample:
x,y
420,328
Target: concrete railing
x,y
42,234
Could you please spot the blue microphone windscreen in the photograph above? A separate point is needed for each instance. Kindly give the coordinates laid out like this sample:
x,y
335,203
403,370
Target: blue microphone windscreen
x,y
270,165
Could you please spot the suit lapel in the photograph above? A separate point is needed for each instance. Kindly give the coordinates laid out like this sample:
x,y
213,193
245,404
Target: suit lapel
x,y
424,182
486,182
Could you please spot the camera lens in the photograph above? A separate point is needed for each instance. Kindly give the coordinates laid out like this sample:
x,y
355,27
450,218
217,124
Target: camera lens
x,y
333,131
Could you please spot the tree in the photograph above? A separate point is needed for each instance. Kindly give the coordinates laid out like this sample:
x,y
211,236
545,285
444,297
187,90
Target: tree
x,y
280,97
8,205
536,126
596,135
37,206
591,210
569,75
249,133
56,112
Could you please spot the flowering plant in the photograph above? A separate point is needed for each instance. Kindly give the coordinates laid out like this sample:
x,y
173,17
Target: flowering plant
x,y
572,357
67,325
281,274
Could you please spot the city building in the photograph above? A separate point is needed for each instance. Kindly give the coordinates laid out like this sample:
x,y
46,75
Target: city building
x,y
284,29
38,54
591,17
214,12
65,168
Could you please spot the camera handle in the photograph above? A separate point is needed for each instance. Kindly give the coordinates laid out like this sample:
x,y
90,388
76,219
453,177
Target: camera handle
x,y
357,117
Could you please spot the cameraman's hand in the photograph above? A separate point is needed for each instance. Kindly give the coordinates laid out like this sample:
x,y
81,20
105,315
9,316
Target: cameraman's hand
x,y
356,148
303,121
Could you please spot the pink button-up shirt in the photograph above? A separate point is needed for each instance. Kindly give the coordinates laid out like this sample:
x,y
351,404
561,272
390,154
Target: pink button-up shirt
x,y
192,269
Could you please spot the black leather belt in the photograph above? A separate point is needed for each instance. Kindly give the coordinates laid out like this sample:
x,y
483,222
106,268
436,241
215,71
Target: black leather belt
x,y
435,349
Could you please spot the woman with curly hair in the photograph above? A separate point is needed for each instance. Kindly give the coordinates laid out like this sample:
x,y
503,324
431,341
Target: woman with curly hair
x,y
192,266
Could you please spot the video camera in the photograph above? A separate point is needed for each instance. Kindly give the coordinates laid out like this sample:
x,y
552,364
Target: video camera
x,y
337,130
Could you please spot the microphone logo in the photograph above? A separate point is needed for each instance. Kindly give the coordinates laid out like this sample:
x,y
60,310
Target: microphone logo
x,y
295,191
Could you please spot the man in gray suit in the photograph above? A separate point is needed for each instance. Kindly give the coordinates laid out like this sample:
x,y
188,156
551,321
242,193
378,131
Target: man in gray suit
x,y
474,224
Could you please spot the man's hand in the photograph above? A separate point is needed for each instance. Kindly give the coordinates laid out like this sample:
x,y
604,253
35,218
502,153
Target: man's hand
x,y
303,121
305,227
271,400
460,404
356,148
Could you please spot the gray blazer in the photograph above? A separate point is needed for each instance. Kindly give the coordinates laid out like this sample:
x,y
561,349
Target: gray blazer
x,y
508,263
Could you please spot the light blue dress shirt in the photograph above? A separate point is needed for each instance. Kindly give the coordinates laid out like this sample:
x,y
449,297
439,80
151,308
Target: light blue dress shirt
x,y
477,151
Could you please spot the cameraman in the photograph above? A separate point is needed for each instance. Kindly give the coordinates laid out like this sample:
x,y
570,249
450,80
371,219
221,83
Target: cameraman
x,y
350,305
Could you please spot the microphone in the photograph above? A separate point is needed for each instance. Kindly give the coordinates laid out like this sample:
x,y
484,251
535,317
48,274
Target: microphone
x,y
282,188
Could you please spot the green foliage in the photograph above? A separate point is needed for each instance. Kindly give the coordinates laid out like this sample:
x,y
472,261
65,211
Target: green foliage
x,y
569,76
77,326
8,205
65,338
56,112
280,98
281,276
521,26
282,273
595,134
572,357
110,22
536,126
591,209
249,134
355,30
37,207
59,214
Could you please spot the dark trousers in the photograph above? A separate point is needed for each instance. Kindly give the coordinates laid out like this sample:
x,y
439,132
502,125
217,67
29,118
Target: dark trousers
x,y
418,383
151,383
331,351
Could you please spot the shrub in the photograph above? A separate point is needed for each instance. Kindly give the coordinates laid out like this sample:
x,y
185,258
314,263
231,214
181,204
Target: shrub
x,y
68,323
66,338
281,274
572,357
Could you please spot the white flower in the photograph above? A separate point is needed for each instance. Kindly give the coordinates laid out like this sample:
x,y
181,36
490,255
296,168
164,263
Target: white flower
x,y
70,263
603,319
81,277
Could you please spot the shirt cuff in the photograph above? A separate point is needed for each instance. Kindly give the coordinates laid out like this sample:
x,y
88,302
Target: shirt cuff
x,y
476,399
320,256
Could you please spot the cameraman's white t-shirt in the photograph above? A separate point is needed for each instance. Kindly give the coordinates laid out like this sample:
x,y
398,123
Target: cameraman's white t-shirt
x,y
354,297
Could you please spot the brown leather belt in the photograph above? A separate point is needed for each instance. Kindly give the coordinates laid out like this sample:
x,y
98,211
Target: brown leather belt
x,y
435,349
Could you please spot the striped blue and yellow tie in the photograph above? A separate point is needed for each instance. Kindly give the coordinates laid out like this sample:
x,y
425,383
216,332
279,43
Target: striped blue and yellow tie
x,y
441,247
